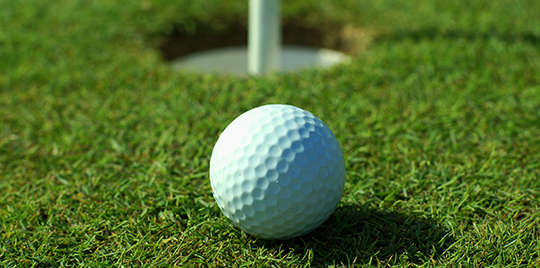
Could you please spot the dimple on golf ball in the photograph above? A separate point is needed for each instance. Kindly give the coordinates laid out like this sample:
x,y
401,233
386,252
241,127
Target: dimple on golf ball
x,y
277,171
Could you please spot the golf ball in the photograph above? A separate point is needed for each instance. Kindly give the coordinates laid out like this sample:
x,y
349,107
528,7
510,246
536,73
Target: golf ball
x,y
277,171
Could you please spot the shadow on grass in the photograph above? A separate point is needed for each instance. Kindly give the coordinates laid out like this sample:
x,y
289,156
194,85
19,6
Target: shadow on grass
x,y
365,236
432,33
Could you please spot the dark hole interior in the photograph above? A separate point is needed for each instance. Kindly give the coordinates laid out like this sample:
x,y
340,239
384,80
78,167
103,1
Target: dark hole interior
x,y
180,42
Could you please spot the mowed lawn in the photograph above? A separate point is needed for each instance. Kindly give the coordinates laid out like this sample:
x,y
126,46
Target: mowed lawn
x,y
104,149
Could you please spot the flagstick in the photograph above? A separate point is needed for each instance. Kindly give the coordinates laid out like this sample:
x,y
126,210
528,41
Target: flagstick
x,y
264,36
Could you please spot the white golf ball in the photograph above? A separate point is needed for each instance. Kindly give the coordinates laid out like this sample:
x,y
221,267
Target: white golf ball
x,y
277,171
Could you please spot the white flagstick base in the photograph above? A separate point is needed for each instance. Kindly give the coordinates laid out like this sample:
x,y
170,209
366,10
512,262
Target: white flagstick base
x,y
233,60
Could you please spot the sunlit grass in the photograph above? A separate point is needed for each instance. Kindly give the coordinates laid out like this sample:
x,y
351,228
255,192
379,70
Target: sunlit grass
x,y
104,150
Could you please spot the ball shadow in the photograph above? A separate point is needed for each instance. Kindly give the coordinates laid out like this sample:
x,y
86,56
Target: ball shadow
x,y
360,235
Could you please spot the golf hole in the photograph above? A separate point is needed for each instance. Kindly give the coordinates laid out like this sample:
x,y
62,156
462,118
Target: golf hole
x,y
225,51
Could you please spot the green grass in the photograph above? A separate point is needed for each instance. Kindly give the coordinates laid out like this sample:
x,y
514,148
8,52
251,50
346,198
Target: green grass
x,y
104,150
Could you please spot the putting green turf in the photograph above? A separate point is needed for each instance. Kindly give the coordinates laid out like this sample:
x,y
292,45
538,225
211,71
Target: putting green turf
x,y
104,150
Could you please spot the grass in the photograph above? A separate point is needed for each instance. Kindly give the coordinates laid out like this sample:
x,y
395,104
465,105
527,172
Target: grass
x,y
104,150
